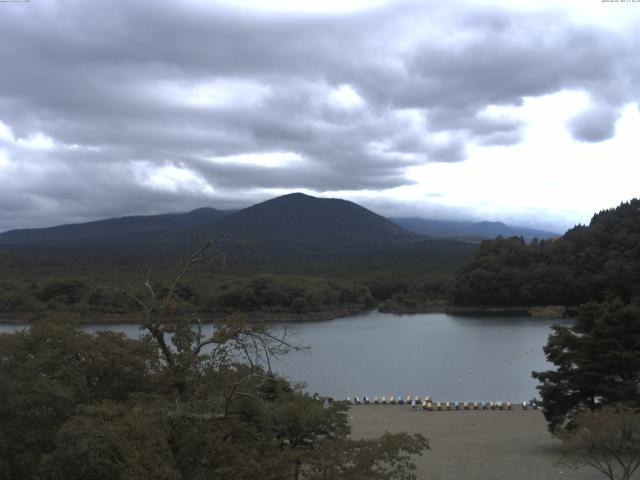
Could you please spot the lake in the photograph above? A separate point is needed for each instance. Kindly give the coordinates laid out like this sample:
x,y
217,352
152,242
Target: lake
x,y
451,358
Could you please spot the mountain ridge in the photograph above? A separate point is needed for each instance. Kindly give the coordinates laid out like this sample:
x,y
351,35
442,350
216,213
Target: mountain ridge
x,y
130,223
291,223
467,229
295,223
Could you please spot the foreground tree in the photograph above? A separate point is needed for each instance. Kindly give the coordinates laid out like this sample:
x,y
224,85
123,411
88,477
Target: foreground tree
x,y
47,372
607,440
597,363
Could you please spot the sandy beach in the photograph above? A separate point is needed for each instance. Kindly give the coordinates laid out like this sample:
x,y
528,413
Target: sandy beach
x,y
473,445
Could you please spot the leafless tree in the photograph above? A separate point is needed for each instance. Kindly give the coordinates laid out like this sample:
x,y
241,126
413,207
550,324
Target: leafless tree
x,y
180,336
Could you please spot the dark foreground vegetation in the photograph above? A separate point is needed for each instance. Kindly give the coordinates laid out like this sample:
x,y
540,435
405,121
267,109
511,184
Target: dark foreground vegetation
x,y
95,407
177,404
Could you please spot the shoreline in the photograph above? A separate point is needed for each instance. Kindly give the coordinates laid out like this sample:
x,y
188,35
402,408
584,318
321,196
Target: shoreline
x,y
253,317
549,311
553,311
556,311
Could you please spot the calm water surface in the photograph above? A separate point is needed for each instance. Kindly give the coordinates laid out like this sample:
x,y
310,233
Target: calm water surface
x,y
448,357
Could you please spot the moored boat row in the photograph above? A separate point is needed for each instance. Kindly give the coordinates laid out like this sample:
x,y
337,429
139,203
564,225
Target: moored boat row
x,y
426,403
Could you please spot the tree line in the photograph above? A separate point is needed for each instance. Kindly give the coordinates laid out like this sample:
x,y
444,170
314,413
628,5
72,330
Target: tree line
x,y
260,293
587,263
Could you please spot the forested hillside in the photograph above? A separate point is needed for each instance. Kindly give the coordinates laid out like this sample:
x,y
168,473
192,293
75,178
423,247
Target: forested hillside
x,y
587,263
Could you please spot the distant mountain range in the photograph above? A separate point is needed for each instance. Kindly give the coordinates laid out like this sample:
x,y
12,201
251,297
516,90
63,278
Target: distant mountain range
x,y
290,224
470,230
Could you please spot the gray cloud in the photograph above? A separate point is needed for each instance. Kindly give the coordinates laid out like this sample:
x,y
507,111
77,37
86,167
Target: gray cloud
x,y
117,88
595,124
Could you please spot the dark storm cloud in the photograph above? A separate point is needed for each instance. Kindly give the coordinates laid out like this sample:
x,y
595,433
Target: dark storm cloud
x,y
129,91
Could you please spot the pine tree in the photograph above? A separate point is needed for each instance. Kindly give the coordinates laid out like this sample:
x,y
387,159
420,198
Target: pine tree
x,y
597,362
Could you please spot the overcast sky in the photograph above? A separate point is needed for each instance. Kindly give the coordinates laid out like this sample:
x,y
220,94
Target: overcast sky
x,y
526,112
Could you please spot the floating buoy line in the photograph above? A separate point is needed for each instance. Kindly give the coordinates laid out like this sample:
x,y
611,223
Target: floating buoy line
x,y
497,363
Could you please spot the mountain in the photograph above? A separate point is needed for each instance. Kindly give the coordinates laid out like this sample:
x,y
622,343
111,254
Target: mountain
x,y
291,224
294,223
125,234
132,224
469,230
297,221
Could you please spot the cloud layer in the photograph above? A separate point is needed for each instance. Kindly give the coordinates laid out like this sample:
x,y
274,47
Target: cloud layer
x,y
153,106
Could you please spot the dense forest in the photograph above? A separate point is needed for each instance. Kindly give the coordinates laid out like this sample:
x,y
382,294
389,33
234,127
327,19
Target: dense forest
x,y
273,294
35,287
587,263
